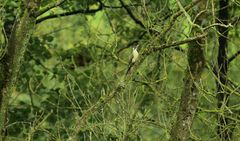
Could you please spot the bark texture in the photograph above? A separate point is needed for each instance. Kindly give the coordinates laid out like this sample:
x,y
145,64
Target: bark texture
x,y
189,102
11,62
189,98
224,129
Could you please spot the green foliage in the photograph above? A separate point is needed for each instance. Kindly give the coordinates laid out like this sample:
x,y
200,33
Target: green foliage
x,y
74,62
10,9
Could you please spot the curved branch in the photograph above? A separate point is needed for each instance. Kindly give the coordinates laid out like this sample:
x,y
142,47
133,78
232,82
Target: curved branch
x,y
80,11
49,7
64,14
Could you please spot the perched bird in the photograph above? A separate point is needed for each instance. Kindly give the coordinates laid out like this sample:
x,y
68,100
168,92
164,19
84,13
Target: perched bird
x,y
134,58
134,54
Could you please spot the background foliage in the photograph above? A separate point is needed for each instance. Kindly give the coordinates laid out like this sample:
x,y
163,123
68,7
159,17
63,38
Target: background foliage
x,y
72,62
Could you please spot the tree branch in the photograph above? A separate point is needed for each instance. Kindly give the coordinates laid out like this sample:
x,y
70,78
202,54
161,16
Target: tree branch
x,y
219,25
132,43
173,17
234,56
176,15
64,14
80,11
116,7
173,44
49,7
136,20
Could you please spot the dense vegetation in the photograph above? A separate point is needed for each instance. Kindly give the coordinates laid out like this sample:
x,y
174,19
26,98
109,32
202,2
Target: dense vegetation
x,y
66,71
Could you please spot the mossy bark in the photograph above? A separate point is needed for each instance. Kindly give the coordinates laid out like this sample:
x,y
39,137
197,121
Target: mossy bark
x,y
189,98
189,102
11,62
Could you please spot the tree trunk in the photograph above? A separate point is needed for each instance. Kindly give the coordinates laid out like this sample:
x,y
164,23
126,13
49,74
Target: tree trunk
x,y
11,62
189,99
188,104
223,131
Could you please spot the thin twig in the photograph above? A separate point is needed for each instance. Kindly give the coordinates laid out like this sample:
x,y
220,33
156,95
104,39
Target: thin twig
x,y
217,24
176,15
102,101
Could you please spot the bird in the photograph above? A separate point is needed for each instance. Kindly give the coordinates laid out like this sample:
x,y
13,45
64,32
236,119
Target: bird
x,y
133,59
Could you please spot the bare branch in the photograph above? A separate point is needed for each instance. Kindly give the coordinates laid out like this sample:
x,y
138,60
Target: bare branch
x,y
176,15
136,20
90,111
174,44
218,24
234,56
64,14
